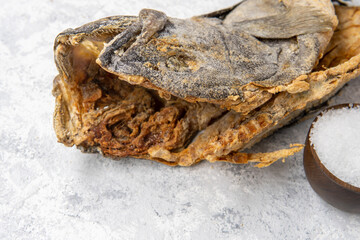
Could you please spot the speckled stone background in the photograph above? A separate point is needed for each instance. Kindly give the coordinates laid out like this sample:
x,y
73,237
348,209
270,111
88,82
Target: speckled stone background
x,y
49,191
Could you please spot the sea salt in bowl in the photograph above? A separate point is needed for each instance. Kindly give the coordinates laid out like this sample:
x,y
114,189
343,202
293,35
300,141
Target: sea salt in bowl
x,y
332,156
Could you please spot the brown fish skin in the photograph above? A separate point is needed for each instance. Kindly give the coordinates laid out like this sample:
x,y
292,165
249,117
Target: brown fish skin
x,y
101,112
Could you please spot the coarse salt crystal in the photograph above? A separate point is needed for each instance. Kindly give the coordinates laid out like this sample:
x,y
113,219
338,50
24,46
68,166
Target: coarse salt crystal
x,y
336,139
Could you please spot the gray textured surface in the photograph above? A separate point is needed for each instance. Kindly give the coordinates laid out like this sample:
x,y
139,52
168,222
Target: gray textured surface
x,y
48,191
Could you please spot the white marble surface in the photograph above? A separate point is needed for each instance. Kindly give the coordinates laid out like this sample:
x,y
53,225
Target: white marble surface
x,y
49,191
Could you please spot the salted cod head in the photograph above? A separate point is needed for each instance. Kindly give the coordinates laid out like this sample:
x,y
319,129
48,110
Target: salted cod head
x,y
181,91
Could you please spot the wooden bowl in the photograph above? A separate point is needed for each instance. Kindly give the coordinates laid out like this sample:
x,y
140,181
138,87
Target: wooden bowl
x,y
330,188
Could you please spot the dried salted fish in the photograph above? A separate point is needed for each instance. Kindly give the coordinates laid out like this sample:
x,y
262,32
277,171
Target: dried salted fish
x,y
181,91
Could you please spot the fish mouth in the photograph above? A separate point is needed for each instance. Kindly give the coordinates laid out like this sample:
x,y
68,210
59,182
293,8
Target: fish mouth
x,y
99,112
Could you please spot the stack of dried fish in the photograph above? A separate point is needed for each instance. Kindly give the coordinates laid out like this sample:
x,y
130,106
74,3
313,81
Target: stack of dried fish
x,y
181,91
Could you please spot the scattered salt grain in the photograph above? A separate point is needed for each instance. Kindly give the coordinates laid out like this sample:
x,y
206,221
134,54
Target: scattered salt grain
x,y
336,140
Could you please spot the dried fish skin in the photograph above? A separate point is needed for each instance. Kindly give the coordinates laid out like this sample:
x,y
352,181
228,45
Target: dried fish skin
x,y
220,61
282,19
101,112
177,64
